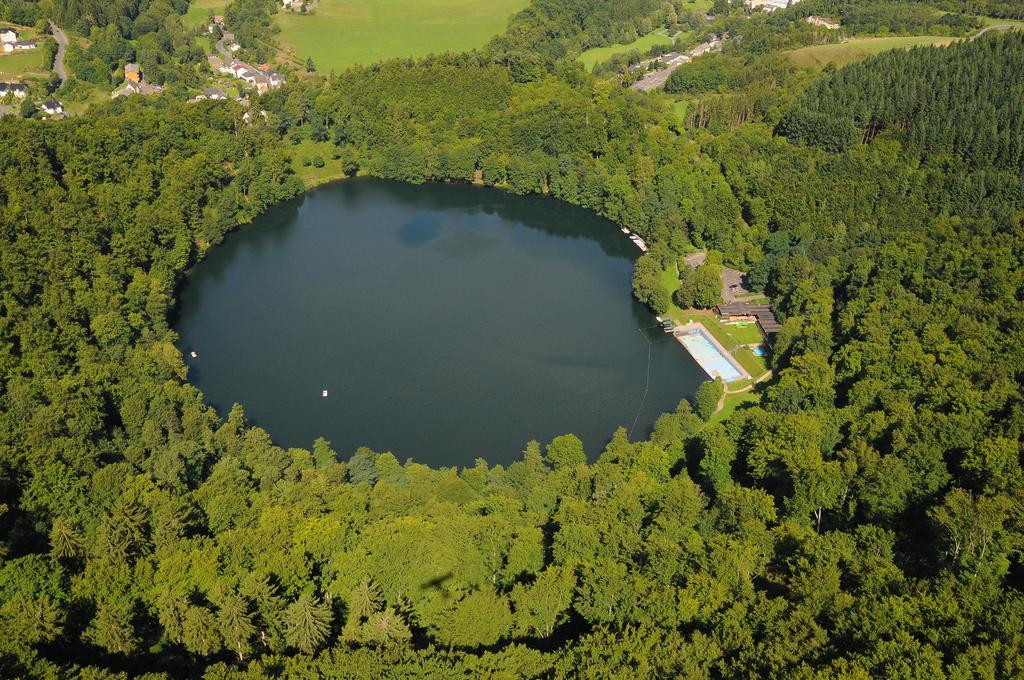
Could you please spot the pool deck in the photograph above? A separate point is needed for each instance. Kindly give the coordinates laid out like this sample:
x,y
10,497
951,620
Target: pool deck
x,y
686,328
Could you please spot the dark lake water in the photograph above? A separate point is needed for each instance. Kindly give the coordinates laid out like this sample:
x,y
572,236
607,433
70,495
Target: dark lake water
x,y
446,323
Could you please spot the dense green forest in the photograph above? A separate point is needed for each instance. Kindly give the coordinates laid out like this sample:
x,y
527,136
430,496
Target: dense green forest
x,y
864,519
941,103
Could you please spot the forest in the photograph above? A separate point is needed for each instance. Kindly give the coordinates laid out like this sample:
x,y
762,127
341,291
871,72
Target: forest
x,y
864,519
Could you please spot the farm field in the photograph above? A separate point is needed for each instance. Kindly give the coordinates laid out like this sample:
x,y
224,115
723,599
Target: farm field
x,y
345,32
858,49
199,11
22,64
596,55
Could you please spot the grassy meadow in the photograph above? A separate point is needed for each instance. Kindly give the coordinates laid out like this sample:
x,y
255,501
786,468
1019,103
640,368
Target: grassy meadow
x,y
22,64
344,32
199,11
596,55
858,49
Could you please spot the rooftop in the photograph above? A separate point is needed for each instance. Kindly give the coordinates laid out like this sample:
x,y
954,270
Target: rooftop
x,y
762,312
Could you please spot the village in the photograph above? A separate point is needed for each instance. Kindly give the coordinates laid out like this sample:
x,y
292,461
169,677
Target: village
x,y
260,78
226,74
670,62
14,91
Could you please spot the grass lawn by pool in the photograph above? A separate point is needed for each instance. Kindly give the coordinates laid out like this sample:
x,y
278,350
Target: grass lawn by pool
x,y
858,49
345,32
732,402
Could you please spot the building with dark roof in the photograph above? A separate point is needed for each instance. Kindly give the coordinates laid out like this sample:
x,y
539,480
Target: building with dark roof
x,y
19,90
746,311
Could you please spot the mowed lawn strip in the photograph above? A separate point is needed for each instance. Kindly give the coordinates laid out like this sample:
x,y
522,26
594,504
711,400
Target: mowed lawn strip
x,y
732,402
345,32
858,49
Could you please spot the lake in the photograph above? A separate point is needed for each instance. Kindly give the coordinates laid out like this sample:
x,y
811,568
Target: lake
x,y
446,323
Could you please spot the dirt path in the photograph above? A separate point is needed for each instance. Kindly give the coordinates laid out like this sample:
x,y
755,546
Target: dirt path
x,y
62,44
995,27
726,392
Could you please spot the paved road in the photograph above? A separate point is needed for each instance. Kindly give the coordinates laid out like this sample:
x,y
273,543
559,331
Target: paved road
x,y
62,44
656,79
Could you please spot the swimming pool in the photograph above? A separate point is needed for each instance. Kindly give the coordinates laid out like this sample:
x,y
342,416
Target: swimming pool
x,y
708,355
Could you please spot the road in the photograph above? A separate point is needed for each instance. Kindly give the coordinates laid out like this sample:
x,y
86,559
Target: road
x,y
62,44
656,79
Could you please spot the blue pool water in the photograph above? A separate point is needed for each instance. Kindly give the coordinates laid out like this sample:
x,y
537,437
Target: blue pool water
x,y
705,353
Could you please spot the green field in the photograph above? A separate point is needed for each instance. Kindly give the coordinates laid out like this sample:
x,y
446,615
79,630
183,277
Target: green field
x,y
597,55
199,11
304,152
732,402
345,32
858,49
994,21
22,64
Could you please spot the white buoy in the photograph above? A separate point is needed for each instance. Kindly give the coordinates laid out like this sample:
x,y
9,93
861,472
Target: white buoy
x,y
193,354
325,394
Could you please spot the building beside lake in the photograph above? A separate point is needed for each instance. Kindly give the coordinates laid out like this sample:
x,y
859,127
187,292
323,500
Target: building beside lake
x,y
758,313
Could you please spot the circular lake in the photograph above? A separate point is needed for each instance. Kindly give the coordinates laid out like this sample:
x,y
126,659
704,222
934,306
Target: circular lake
x,y
445,322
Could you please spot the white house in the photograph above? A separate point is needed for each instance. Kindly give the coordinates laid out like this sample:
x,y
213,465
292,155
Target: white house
x,y
19,45
17,89
8,35
52,107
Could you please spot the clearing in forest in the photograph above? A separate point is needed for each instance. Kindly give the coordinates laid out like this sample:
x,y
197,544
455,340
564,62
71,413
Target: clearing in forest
x,y
199,11
597,55
345,32
858,49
